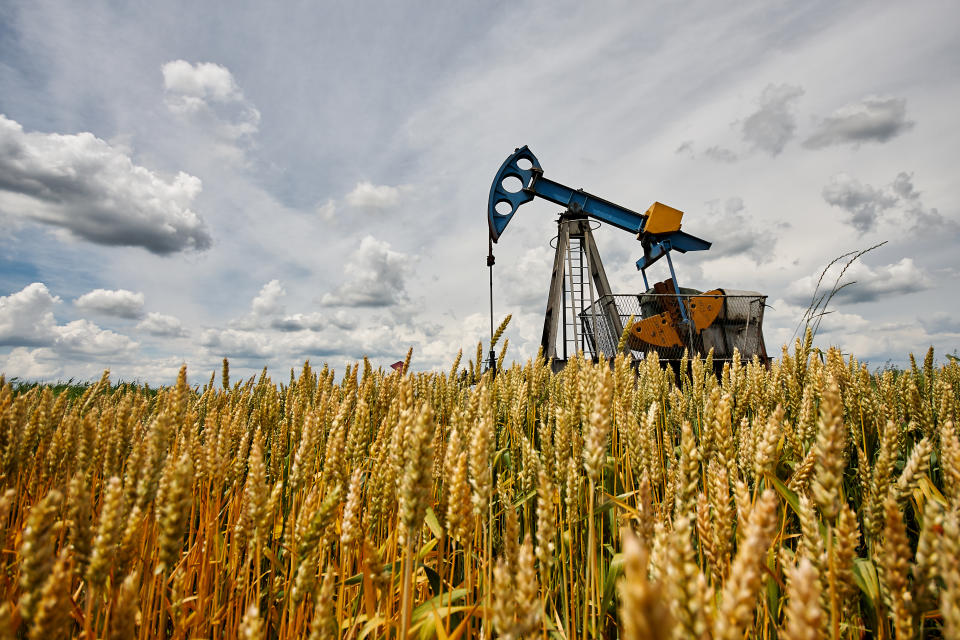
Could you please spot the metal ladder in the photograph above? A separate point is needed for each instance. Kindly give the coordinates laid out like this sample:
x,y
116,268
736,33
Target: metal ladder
x,y
578,296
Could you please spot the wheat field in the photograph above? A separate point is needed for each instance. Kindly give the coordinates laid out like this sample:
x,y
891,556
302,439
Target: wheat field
x,y
808,499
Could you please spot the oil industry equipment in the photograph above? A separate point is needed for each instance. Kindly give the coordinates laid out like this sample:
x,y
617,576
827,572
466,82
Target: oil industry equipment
x,y
582,311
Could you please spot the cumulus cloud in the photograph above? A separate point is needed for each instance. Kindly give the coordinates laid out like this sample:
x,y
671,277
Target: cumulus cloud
x,y
203,81
327,211
373,198
208,94
298,322
873,119
867,284
773,124
267,302
119,303
864,203
930,222
376,277
80,184
785,315
26,319
236,343
373,339
82,337
340,333
162,326
902,185
898,201
869,339
31,364
269,313
343,319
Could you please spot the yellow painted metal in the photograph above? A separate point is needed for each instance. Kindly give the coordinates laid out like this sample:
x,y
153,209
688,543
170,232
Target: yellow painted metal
x,y
661,330
705,308
662,219
658,330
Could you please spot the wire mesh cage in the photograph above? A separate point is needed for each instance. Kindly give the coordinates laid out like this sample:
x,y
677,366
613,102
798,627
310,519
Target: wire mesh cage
x,y
737,326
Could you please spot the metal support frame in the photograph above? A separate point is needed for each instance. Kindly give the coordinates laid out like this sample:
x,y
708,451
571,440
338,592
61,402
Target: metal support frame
x,y
676,289
562,298
555,300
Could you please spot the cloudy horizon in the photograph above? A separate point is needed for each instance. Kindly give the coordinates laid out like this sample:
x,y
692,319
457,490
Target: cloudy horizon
x,y
182,183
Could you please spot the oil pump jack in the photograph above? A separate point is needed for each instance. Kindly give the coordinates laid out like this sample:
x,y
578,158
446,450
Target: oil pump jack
x,y
583,313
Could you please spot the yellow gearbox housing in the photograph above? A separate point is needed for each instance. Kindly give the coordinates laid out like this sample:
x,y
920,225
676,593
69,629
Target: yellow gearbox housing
x,y
662,218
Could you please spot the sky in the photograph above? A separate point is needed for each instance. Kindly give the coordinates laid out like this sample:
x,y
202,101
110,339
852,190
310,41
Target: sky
x,y
291,181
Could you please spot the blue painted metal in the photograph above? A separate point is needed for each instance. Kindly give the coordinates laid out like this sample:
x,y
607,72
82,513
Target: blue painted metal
x,y
683,242
579,200
676,288
663,244
498,194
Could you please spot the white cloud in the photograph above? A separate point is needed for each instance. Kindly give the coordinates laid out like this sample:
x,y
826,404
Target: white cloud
x,y
882,341
873,119
267,302
298,322
208,94
869,339
120,303
205,80
257,345
327,211
80,184
375,277
237,343
773,124
82,337
26,317
867,284
161,325
373,198
343,319
31,364
268,312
